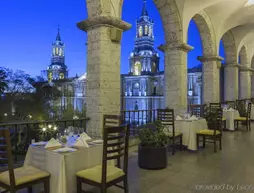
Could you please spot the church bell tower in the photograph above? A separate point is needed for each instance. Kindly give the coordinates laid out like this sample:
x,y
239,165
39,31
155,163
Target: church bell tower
x,y
57,70
144,59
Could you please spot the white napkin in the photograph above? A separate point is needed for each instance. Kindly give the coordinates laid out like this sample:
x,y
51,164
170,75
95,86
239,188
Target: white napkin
x,y
225,109
178,118
81,143
230,109
85,137
52,143
193,118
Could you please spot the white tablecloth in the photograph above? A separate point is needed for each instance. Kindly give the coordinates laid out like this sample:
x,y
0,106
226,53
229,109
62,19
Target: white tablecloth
x,y
252,112
230,116
189,130
63,167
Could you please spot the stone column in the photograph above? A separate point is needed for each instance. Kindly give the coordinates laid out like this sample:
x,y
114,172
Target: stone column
x,y
245,83
175,76
252,84
231,82
103,68
211,78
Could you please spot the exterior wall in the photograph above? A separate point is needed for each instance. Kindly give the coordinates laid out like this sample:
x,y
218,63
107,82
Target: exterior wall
x,y
131,100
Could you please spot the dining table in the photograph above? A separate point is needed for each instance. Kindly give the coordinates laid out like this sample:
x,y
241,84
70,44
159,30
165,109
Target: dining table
x,y
189,129
63,165
230,115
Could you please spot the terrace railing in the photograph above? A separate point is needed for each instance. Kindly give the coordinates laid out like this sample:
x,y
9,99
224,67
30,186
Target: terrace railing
x,y
137,118
23,133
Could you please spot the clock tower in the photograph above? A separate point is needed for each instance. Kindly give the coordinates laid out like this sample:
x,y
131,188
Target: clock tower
x,y
57,70
144,59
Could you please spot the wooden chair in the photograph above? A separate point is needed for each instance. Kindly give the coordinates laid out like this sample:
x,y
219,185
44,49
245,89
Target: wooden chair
x,y
111,121
212,135
231,104
197,110
216,106
241,107
104,176
167,118
19,178
245,120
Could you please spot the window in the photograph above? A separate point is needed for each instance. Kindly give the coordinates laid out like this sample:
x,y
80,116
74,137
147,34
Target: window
x,y
60,52
150,31
140,31
137,69
146,30
61,76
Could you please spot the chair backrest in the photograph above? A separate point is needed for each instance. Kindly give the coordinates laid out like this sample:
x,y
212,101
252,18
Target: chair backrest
x,y
249,111
197,110
167,119
214,106
217,125
6,153
111,120
241,107
231,104
115,146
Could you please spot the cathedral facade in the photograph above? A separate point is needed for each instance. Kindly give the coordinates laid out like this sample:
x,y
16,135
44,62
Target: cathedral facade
x,y
69,92
143,87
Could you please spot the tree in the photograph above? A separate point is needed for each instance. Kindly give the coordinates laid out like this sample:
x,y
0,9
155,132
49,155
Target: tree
x,y
19,89
3,83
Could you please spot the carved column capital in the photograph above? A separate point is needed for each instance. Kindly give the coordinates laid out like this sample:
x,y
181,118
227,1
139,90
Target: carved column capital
x,y
105,21
172,46
217,59
232,65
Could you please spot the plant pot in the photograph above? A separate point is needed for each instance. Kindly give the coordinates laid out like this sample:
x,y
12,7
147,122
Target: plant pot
x,y
152,158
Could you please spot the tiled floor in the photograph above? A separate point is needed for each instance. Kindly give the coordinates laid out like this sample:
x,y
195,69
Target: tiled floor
x,y
194,172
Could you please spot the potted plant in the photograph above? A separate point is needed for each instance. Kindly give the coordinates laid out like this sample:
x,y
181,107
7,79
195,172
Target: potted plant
x,y
210,116
152,151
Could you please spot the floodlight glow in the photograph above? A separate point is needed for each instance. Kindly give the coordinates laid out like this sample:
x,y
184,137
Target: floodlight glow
x,y
44,129
249,3
55,128
50,126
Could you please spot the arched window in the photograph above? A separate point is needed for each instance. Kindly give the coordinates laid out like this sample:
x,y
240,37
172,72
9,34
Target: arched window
x,y
137,69
60,51
150,31
56,50
140,31
146,30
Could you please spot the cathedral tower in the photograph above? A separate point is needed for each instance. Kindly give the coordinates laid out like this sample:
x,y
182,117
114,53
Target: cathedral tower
x,y
144,59
57,70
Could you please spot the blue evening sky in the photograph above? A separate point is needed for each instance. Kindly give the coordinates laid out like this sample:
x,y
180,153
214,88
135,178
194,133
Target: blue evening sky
x,y
28,28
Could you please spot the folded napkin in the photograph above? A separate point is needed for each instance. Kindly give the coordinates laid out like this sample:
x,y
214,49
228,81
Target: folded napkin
x,y
193,118
81,143
85,137
52,143
225,109
178,118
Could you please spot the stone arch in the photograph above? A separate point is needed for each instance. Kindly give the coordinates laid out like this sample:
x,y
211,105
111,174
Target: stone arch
x,y
207,34
243,57
228,41
171,19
